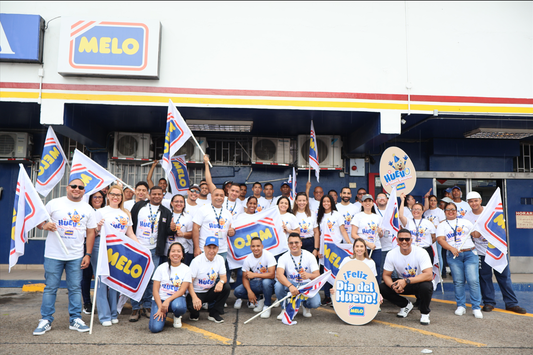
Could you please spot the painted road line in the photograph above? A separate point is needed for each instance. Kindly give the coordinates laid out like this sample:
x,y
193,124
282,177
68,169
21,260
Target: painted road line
x,y
205,333
425,332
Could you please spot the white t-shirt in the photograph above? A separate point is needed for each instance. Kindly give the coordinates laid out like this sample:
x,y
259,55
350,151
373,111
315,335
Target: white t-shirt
x,y
462,227
434,216
183,223
358,206
369,262
306,224
235,208
367,225
200,202
147,225
290,221
425,228
331,224
348,212
407,212
264,204
129,204
288,262
462,208
212,225
114,217
171,280
192,209
259,265
72,220
407,265
205,272
313,204
481,243
166,203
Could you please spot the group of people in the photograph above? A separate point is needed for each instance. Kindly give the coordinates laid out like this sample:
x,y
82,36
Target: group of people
x,y
187,238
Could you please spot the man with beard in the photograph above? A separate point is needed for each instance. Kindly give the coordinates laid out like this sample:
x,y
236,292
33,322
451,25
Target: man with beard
x,y
269,201
347,209
462,207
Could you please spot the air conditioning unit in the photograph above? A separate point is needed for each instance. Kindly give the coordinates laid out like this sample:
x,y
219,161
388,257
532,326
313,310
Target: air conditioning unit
x,y
15,145
329,152
191,150
274,151
132,145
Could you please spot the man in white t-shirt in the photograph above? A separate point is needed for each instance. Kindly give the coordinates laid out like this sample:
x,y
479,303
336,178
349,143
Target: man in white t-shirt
x,y
231,201
314,202
258,273
128,194
192,206
162,183
243,191
295,268
462,206
413,265
269,201
74,220
347,209
204,197
141,193
209,282
358,202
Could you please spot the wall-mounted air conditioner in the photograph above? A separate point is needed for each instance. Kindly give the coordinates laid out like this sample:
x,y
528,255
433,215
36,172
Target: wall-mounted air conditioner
x,y
132,145
271,151
191,150
329,152
15,145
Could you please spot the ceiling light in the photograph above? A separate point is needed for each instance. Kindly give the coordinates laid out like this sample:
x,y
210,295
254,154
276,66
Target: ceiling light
x,y
220,126
499,133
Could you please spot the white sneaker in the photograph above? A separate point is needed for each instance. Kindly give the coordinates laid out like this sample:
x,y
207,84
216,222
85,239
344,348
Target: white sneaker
x,y
177,322
225,305
43,327
478,314
205,306
251,305
279,304
238,304
266,314
259,305
460,311
405,310
114,321
107,323
280,317
307,312
424,319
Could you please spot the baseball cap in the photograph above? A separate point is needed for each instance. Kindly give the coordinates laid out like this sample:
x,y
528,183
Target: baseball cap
x,y
456,187
448,190
227,182
194,186
367,196
211,241
446,199
285,183
473,194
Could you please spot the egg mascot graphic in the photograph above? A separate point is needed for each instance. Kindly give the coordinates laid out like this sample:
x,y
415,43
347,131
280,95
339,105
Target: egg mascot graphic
x,y
304,227
212,275
75,217
122,220
398,164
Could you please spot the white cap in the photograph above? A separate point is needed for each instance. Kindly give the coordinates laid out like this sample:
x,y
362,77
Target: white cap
x,y
446,199
473,194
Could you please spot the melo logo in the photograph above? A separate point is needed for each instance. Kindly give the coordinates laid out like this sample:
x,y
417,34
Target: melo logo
x,y
357,311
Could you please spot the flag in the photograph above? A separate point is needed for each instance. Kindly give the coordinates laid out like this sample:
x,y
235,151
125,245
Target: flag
x,y
491,225
292,184
267,225
334,254
390,222
28,212
313,152
436,266
179,176
91,173
177,133
52,164
123,264
309,290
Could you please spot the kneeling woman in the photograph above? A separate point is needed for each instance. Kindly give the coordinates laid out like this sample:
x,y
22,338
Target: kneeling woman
x,y
171,280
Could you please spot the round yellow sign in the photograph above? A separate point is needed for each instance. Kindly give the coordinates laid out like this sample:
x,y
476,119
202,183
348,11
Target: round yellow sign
x,y
396,169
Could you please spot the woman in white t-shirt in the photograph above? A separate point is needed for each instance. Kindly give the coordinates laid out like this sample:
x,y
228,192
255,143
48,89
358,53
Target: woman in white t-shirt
x,y
360,253
290,224
117,219
181,225
171,281
308,228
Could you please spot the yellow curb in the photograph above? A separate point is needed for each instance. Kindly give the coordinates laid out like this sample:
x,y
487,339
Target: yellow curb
x,y
33,288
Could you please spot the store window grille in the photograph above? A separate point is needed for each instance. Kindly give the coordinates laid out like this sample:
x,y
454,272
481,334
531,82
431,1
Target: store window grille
x,y
523,163
233,152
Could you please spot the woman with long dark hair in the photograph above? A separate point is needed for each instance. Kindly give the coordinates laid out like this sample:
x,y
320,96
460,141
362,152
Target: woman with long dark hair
x,y
308,227
181,225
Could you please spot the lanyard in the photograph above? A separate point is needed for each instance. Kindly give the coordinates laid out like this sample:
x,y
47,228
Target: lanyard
x,y
178,220
233,209
219,215
153,217
417,231
454,231
381,214
299,267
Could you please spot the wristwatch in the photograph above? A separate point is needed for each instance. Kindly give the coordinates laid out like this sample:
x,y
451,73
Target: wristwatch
x,y
317,249
221,281
407,281
90,255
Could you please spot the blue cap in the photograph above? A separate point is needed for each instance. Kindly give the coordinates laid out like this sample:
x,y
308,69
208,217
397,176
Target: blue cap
x,y
448,190
456,187
285,183
211,241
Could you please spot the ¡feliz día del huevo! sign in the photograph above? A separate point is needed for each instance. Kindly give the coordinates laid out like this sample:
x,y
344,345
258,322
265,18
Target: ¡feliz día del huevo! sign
x,y
397,169
356,297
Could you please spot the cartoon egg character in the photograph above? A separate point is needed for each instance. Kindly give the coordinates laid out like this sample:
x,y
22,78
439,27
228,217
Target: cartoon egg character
x,y
75,217
178,227
347,217
212,275
330,224
222,221
398,164
373,226
304,227
459,229
259,208
263,269
123,221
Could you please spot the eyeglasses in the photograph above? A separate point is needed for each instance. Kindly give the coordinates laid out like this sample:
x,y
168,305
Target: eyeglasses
x,y
417,209
450,210
114,195
97,197
404,239
194,191
79,187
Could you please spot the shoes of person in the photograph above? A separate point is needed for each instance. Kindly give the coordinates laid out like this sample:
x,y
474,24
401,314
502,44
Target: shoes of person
x,y
280,316
238,304
251,305
460,311
279,304
424,319
405,310
87,308
225,305
147,312
114,321
193,318
233,277
43,327
516,309
216,318
326,301
488,308
259,305
307,312
478,314
205,306
177,322
135,315
107,323
267,312
79,325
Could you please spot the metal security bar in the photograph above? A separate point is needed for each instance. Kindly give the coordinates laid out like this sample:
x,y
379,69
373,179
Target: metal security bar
x,y
523,163
231,151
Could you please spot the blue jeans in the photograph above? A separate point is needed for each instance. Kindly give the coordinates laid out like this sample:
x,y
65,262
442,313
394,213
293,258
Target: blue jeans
x,y
53,269
281,292
259,287
465,266
106,297
376,256
487,287
178,306
146,300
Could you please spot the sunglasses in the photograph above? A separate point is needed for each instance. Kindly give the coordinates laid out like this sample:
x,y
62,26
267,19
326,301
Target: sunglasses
x,y
79,187
450,210
195,191
404,239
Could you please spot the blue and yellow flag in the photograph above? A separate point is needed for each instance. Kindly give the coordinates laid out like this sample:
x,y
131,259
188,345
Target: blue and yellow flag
x,y
52,164
313,152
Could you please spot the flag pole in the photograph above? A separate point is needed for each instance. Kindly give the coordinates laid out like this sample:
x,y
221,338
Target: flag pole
x,y
275,304
60,240
94,301
200,147
466,237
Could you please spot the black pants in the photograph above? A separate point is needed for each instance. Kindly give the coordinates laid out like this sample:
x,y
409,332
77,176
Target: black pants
x,y
219,298
430,253
423,290
308,244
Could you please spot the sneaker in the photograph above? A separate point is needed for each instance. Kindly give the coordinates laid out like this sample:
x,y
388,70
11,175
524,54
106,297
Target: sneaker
x,y
277,305
216,318
233,277
424,319
266,313
107,323
177,322
79,325
280,316
225,305
114,321
205,306
147,312
326,301
259,305
87,308
307,312
405,310
516,309
478,314
43,327
135,315
193,318
251,305
238,304
460,311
